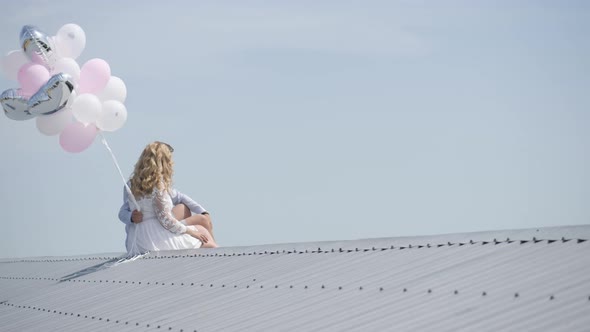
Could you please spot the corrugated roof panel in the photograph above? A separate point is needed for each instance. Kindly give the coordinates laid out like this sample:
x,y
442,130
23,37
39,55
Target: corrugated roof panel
x,y
508,280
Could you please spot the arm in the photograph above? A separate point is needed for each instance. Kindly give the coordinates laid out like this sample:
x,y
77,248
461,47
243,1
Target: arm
x,y
178,198
125,210
163,209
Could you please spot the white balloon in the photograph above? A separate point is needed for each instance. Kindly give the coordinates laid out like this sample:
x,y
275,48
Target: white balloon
x,y
115,90
12,62
70,41
113,116
86,108
53,124
67,66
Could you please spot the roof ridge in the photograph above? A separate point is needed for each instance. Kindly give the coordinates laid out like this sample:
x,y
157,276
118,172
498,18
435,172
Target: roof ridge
x,y
216,252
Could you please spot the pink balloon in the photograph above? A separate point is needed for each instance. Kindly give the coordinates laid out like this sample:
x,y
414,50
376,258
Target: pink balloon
x,y
31,77
94,76
77,137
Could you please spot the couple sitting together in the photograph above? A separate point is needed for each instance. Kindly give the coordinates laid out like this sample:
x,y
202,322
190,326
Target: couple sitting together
x,y
167,219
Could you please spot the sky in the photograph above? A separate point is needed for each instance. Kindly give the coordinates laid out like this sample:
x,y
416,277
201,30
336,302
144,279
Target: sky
x,y
316,120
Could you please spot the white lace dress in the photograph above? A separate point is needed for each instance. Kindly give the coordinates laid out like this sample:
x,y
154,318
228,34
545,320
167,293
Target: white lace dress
x,y
159,230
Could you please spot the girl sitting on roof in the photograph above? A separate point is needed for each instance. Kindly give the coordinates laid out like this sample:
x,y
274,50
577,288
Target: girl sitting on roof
x,y
159,229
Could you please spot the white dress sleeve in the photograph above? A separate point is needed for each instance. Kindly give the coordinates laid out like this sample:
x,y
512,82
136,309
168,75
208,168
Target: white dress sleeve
x,y
163,208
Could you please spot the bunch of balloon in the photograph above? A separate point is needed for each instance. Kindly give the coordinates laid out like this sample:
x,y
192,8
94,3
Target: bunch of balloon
x,y
66,99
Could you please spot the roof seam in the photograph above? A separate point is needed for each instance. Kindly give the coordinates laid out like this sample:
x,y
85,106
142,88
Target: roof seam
x,y
81,316
534,240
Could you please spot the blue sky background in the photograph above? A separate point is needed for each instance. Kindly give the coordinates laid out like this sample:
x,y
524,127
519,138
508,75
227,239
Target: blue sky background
x,y
317,120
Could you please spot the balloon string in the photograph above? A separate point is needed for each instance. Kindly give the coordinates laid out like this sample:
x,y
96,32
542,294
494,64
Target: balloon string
x,y
104,141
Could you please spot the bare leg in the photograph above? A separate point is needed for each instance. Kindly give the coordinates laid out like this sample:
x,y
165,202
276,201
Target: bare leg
x,y
211,243
181,212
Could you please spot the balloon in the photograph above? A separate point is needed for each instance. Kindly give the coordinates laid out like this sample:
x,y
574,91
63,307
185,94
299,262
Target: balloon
x,y
77,137
115,90
70,41
12,62
15,106
113,116
31,77
86,108
55,123
73,96
67,66
52,96
37,46
94,76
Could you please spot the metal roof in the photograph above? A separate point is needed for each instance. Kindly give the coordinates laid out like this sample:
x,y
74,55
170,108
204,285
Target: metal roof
x,y
519,280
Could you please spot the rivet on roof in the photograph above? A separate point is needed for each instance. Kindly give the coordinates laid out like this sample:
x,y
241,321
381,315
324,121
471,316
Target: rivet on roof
x,y
456,292
516,295
551,297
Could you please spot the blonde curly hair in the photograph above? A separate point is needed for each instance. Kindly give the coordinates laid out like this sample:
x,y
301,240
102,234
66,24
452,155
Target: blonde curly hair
x,y
154,169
